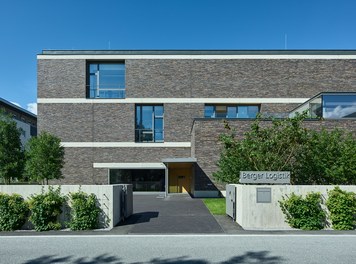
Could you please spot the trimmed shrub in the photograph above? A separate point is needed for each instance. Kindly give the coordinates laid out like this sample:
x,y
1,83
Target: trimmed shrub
x,y
84,211
304,213
342,207
46,208
13,212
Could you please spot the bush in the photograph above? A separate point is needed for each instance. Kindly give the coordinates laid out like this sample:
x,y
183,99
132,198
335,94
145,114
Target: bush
x,y
304,213
46,208
84,211
13,212
342,207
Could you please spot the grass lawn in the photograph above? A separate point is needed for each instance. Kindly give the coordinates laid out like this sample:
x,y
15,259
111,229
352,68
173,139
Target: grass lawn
x,y
216,206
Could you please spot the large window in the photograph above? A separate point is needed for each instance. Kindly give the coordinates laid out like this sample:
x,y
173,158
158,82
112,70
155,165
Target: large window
x,y
149,123
147,180
106,80
339,106
329,106
231,111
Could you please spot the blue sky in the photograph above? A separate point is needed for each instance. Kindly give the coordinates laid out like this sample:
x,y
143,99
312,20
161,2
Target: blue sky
x,y
28,27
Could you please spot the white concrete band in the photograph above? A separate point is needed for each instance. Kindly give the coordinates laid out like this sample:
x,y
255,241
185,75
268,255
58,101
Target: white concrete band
x,y
196,57
148,165
125,145
173,101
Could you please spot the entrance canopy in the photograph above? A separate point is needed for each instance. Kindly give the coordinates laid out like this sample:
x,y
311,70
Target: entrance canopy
x,y
179,160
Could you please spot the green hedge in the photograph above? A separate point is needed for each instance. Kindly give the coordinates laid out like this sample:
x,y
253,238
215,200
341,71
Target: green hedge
x,y
45,209
342,208
13,212
304,213
84,211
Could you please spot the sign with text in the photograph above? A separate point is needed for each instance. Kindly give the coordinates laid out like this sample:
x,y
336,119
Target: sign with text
x,y
270,177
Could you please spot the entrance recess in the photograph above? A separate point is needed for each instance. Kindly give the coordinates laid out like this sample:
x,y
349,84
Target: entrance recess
x,y
180,175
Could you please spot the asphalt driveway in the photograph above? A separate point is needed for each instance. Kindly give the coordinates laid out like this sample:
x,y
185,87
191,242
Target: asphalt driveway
x,y
155,214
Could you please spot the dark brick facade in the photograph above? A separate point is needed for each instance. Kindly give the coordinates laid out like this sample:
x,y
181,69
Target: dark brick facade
x,y
238,78
175,78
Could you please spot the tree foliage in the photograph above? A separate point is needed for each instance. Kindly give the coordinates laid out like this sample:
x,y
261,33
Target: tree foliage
x,y
46,209
11,153
44,158
342,207
304,213
85,212
13,211
313,157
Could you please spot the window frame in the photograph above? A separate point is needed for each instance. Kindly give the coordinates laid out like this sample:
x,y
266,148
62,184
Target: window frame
x,y
154,118
88,84
236,106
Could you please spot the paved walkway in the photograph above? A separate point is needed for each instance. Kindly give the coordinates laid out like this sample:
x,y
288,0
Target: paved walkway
x,y
154,214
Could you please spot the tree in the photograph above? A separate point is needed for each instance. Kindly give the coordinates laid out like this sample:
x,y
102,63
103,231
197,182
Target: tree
x,y
11,153
44,158
268,148
312,157
328,157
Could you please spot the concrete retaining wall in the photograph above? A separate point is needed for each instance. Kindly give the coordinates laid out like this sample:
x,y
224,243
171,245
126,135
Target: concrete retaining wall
x,y
268,216
109,199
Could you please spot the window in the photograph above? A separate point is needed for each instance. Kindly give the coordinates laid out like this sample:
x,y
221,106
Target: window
x,y
339,106
231,111
106,80
149,123
147,180
329,106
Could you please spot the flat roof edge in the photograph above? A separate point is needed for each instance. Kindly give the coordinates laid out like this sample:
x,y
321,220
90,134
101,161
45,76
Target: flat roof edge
x,y
198,52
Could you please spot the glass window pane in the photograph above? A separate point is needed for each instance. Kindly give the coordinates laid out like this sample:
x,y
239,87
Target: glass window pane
x,y
158,135
147,117
138,117
141,179
158,110
93,68
209,111
242,112
111,79
231,112
339,106
252,111
220,111
159,124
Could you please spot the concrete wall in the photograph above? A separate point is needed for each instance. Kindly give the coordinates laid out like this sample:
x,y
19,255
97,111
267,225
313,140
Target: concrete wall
x,y
109,199
268,216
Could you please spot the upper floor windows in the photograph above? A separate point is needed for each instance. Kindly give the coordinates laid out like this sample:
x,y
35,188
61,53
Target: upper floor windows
x,y
231,111
330,106
106,80
149,123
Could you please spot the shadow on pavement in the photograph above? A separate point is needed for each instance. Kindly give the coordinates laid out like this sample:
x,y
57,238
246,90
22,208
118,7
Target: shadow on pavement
x,y
248,257
49,259
142,217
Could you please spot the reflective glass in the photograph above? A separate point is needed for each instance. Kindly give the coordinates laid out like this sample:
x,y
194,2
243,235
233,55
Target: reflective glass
x,y
158,110
159,123
158,135
209,111
141,179
147,117
252,111
149,126
242,112
138,117
231,112
107,79
339,106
